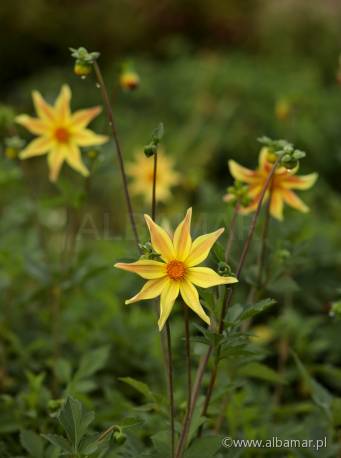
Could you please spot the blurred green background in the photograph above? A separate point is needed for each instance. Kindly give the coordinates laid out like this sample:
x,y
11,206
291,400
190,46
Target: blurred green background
x,y
218,74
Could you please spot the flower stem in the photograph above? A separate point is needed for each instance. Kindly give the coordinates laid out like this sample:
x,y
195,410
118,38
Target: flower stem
x,y
112,125
154,187
228,298
170,385
188,357
166,343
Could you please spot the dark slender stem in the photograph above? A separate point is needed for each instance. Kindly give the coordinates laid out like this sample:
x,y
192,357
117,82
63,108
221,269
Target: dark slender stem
x,y
154,187
112,125
166,341
229,295
170,384
195,393
188,357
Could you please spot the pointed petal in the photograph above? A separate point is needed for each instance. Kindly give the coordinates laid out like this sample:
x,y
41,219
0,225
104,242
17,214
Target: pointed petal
x,y
276,206
34,125
86,137
160,240
191,297
43,109
55,161
263,162
82,118
150,290
168,295
37,147
182,240
146,268
241,173
74,159
62,104
294,201
300,182
206,277
201,248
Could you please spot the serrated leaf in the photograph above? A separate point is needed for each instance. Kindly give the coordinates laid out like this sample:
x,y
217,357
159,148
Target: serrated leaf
x,y
32,443
59,441
74,420
252,310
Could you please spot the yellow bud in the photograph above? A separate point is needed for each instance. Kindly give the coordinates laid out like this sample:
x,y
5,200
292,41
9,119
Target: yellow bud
x,y
129,80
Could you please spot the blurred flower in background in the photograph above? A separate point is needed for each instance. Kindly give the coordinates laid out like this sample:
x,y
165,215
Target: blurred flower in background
x,y
60,133
283,182
141,172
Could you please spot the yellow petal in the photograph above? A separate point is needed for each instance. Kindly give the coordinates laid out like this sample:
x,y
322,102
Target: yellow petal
x,y
191,297
43,109
62,105
276,206
74,159
150,290
206,277
182,240
241,173
82,118
160,240
291,199
34,125
201,248
300,182
37,147
263,162
146,268
168,295
55,161
86,137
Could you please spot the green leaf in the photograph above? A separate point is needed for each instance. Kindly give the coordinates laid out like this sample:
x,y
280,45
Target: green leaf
x,y
74,420
62,369
252,310
161,442
262,372
205,447
89,444
59,441
139,386
32,443
320,395
92,362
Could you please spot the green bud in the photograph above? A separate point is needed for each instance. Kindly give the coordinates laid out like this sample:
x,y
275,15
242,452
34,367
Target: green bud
x,y
150,150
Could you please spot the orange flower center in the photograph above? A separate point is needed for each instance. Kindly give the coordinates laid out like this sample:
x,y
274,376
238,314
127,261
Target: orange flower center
x,y
176,270
62,135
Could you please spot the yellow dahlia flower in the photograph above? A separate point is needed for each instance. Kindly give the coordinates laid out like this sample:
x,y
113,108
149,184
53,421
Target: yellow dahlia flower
x,y
282,185
60,132
141,172
176,272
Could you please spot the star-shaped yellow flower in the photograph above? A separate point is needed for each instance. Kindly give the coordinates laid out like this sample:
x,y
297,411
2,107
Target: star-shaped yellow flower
x,y
142,170
282,185
60,132
177,272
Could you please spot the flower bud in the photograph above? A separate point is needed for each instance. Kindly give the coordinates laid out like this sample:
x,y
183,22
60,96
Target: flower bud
x,y
129,80
82,68
150,150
